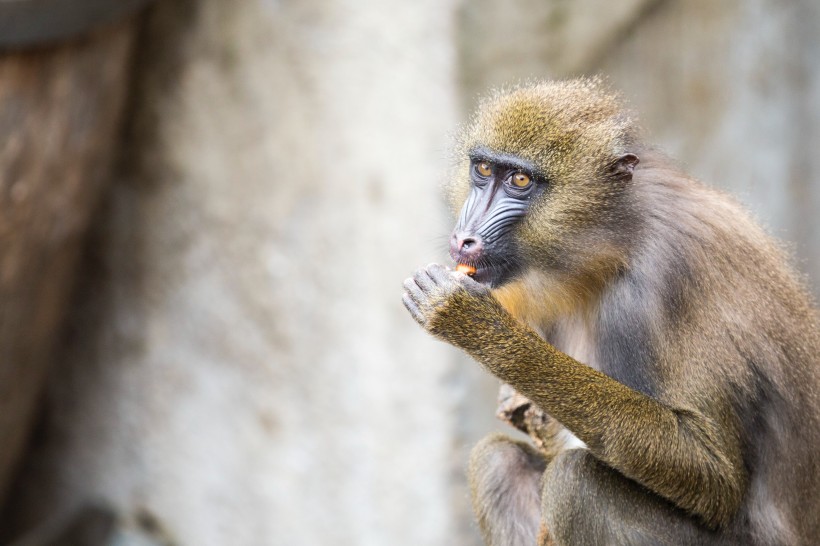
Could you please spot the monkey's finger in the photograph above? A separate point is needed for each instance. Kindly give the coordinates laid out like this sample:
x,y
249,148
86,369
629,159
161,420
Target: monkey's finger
x,y
439,274
463,279
468,283
423,279
411,306
413,290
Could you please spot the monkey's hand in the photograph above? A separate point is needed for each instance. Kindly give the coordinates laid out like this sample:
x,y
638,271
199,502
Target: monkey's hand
x,y
454,307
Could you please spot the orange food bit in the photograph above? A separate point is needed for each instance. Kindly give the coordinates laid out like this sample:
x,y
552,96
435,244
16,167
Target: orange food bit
x,y
466,269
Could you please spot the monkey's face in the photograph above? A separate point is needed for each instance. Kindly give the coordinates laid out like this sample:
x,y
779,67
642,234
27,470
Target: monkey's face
x,y
542,186
502,187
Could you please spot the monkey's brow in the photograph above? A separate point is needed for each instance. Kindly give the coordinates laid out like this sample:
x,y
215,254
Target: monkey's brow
x,y
482,153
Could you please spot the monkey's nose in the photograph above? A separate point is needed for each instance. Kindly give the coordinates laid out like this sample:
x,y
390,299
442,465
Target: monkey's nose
x,y
466,248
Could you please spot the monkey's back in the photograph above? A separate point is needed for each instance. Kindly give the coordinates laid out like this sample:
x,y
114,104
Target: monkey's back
x,y
709,316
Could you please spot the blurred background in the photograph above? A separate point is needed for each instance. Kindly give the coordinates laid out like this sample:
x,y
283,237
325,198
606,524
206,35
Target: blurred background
x,y
207,209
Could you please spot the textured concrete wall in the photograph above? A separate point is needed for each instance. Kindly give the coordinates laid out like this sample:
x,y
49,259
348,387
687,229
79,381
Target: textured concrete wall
x,y
240,366
733,90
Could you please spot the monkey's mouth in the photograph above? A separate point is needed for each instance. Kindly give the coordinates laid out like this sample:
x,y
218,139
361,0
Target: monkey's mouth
x,y
489,275
484,275
490,265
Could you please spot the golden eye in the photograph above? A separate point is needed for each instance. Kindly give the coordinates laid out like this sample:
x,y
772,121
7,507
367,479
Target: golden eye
x,y
520,180
484,169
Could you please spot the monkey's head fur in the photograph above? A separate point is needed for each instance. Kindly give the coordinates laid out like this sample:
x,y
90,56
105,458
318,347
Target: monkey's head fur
x,y
583,146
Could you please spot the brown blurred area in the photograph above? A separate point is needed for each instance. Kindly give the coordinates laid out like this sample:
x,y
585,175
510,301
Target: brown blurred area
x,y
207,209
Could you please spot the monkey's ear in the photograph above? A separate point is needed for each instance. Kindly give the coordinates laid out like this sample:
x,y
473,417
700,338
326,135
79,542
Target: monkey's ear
x,y
623,167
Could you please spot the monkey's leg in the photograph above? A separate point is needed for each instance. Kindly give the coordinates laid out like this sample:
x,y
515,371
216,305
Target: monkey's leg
x,y
505,481
587,503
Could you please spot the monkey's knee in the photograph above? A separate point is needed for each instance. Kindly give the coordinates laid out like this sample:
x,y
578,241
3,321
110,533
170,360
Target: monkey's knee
x,y
567,491
499,464
586,502
580,499
505,481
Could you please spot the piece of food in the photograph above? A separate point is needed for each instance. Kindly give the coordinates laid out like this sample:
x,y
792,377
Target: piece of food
x,y
517,411
466,269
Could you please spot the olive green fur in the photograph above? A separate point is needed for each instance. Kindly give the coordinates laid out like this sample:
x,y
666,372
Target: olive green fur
x,y
573,131
697,465
656,321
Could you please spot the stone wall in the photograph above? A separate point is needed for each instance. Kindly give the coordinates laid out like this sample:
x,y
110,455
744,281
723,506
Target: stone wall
x,y
239,368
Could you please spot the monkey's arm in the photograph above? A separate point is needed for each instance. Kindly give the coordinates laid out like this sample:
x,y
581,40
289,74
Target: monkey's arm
x,y
682,455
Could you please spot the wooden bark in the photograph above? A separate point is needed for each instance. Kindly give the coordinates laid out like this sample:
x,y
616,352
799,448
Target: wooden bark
x,y
60,112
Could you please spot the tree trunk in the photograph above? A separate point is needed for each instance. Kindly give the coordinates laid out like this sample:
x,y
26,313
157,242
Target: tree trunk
x,y
60,113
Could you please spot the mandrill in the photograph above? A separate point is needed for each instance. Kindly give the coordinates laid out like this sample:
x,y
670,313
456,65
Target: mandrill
x,y
658,328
